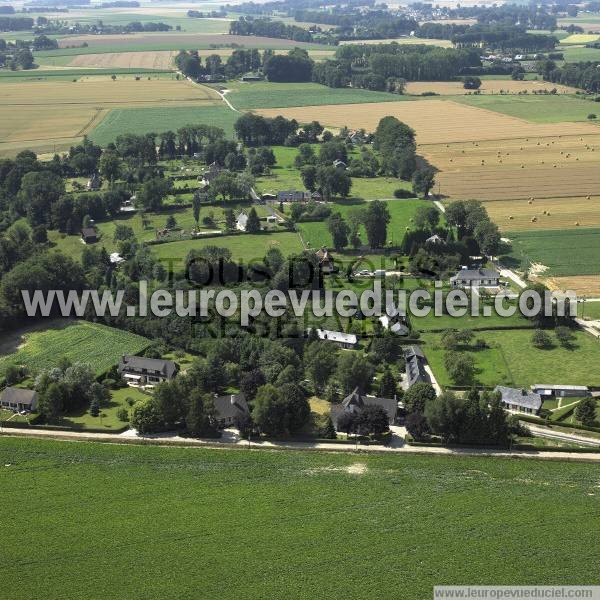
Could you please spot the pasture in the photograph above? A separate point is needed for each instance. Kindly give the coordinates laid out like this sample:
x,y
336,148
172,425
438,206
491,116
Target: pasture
x,y
79,341
51,115
490,86
511,359
165,511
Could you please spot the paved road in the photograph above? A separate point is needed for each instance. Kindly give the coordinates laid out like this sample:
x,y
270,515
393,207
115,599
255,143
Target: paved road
x,y
546,432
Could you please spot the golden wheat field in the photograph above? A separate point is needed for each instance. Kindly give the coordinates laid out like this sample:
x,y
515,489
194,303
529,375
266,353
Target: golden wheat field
x,y
126,60
583,285
48,116
489,86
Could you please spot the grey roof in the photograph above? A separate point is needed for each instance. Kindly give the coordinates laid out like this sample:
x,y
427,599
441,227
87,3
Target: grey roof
x,y
355,402
519,397
548,386
89,232
14,395
415,365
475,274
292,195
230,406
166,367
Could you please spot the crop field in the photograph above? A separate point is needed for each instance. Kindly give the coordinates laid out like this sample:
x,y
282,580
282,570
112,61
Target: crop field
x,y
260,95
490,86
79,341
159,119
545,213
581,38
435,121
243,247
564,253
511,359
403,41
583,285
129,60
51,115
286,504
580,53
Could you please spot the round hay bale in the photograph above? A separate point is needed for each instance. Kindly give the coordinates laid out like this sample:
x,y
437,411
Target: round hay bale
x,y
530,202
510,217
588,197
576,223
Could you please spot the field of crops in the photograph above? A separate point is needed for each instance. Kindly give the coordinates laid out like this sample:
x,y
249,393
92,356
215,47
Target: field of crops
x,y
564,253
79,341
583,285
165,511
159,119
580,38
490,86
146,60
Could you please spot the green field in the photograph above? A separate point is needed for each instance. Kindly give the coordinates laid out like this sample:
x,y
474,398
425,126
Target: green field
x,y
70,74
512,360
401,211
279,95
537,109
580,54
79,341
244,247
159,119
566,252
188,523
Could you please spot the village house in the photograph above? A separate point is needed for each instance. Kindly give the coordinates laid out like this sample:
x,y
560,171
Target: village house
x,y
415,366
475,278
355,402
519,400
230,409
344,340
139,370
293,196
89,235
560,391
18,399
325,260
396,324
435,239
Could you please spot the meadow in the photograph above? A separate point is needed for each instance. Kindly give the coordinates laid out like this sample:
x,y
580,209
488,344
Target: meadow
x,y
250,524
511,359
79,341
565,252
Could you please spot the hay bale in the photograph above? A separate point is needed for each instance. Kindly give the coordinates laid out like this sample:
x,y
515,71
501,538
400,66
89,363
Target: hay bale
x,y
576,223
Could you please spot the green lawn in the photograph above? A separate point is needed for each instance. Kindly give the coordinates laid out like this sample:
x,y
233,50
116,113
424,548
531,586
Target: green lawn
x,y
401,211
511,359
244,247
589,310
79,341
279,95
160,119
537,109
565,252
168,511
580,54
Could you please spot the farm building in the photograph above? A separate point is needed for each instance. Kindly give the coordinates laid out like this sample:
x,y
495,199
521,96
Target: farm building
x,y
18,399
520,400
89,235
325,260
355,402
344,340
475,278
293,196
560,391
138,370
415,366
229,409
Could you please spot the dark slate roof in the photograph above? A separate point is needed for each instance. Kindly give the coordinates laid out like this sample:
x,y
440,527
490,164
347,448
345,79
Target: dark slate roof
x,y
415,365
230,406
14,395
355,402
519,397
89,232
292,195
166,367
474,274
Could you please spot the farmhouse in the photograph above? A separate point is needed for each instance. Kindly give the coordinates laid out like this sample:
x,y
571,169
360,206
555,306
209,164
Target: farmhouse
x,y
89,235
520,400
18,399
325,260
138,370
395,324
344,340
475,278
415,366
229,409
293,196
560,391
356,402
241,222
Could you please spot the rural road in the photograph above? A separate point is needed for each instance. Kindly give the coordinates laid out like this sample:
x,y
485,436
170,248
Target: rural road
x,y
230,441
545,432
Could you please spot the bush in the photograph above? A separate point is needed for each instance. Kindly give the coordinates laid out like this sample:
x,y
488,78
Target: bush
x,y
401,193
123,415
591,116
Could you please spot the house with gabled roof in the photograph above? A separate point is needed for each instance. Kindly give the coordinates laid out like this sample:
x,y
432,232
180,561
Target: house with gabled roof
x,y
139,370
519,400
355,402
18,399
229,409
415,366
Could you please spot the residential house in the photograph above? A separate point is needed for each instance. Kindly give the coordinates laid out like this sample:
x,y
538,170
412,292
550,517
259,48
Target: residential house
x,y
229,409
355,402
344,340
18,399
396,324
435,239
139,370
415,366
241,222
89,235
209,174
520,400
94,182
560,391
475,278
293,196
325,260
252,77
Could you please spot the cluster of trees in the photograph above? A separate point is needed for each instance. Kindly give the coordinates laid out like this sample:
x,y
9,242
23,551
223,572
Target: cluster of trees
x,y
293,66
471,220
59,27
211,14
396,144
478,418
254,130
16,23
268,28
16,55
584,75
239,62
505,38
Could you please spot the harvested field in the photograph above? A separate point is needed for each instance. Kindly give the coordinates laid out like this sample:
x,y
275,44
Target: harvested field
x,y
549,213
435,121
403,40
583,285
176,40
49,116
490,86
128,60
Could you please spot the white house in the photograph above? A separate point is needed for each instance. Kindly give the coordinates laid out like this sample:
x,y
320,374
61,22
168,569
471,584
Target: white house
x,y
475,278
242,222
344,340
